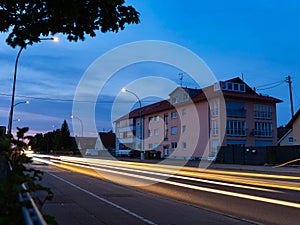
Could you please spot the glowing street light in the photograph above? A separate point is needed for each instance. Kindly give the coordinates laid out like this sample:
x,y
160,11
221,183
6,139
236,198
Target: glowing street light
x,y
140,117
11,114
76,117
55,39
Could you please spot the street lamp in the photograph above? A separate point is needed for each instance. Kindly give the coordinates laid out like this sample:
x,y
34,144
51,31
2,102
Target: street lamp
x,y
11,114
140,117
76,117
14,82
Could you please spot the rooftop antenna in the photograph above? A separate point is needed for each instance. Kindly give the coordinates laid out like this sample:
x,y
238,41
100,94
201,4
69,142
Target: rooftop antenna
x,y
180,78
242,76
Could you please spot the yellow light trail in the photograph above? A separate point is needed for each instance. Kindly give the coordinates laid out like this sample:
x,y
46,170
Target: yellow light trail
x,y
196,173
210,190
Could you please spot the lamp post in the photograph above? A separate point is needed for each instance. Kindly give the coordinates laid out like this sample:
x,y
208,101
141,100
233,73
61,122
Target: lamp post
x,y
140,117
11,112
76,117
11,115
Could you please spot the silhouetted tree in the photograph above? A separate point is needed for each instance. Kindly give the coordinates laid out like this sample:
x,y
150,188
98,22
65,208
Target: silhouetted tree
x,y
63,139
28,20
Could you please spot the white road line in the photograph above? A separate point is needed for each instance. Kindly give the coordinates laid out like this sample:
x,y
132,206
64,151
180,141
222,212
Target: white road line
x,y
105,200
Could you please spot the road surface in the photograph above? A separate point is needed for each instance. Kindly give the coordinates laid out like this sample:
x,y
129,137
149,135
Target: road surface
x,y
115,192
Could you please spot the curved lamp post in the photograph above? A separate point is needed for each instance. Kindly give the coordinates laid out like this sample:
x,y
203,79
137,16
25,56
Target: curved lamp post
x,y
140,116
76,117
11,115
11,112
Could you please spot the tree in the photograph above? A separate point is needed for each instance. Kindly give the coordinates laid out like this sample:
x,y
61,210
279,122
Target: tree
x,y
28,20
63,140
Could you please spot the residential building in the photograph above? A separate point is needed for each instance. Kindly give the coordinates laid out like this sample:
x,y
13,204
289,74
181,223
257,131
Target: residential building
x,y
291,132
194,123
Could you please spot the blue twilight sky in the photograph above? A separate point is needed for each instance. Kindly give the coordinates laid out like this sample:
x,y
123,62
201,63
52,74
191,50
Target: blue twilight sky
x,y
257,38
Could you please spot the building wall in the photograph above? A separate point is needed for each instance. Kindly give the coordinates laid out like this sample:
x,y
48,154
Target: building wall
x,y
196,130
251,136
296,131
286,141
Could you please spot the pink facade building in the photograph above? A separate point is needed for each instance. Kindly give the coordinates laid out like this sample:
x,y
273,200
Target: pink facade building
x,y
194,123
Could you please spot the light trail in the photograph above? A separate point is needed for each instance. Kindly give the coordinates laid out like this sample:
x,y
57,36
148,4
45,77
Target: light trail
x,y
195,173
193,187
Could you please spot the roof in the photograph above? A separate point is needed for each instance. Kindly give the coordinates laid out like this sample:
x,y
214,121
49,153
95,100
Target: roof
x,y
108,139
198,95
295,117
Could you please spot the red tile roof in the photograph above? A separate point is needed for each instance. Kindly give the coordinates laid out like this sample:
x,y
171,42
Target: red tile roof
x,y
203,95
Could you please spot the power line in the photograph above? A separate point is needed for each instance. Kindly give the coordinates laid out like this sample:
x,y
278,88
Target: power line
x,y
270,86
69,100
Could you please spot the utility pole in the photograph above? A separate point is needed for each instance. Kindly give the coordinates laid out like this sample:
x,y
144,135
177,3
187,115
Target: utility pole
x,y
288,80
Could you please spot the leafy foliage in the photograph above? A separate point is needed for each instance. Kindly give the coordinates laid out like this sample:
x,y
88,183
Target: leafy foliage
x,y
11,183
28,20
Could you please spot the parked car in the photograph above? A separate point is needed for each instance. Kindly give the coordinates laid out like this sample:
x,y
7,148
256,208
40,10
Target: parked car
x,y
134,154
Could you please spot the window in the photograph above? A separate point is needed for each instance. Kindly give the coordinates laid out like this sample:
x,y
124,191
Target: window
x,y
174,130
183,145
214,109
149,133
174,115
263,129
156,146
150,119
150,146
156,132
216,87
230,86
215,128
213,152
174,100
263,112
235,109
183,129
156,118
290,140
174,145
183,112
236,128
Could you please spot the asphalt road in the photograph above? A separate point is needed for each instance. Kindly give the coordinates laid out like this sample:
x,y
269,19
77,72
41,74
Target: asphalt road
x,y
110,192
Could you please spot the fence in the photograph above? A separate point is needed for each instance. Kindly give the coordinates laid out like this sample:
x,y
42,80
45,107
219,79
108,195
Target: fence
x,y
258,155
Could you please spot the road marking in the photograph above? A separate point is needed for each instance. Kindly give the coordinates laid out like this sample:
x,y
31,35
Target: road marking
x,y
104,200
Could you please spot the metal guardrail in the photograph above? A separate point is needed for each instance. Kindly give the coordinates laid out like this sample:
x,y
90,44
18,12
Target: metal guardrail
x,y
31,213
